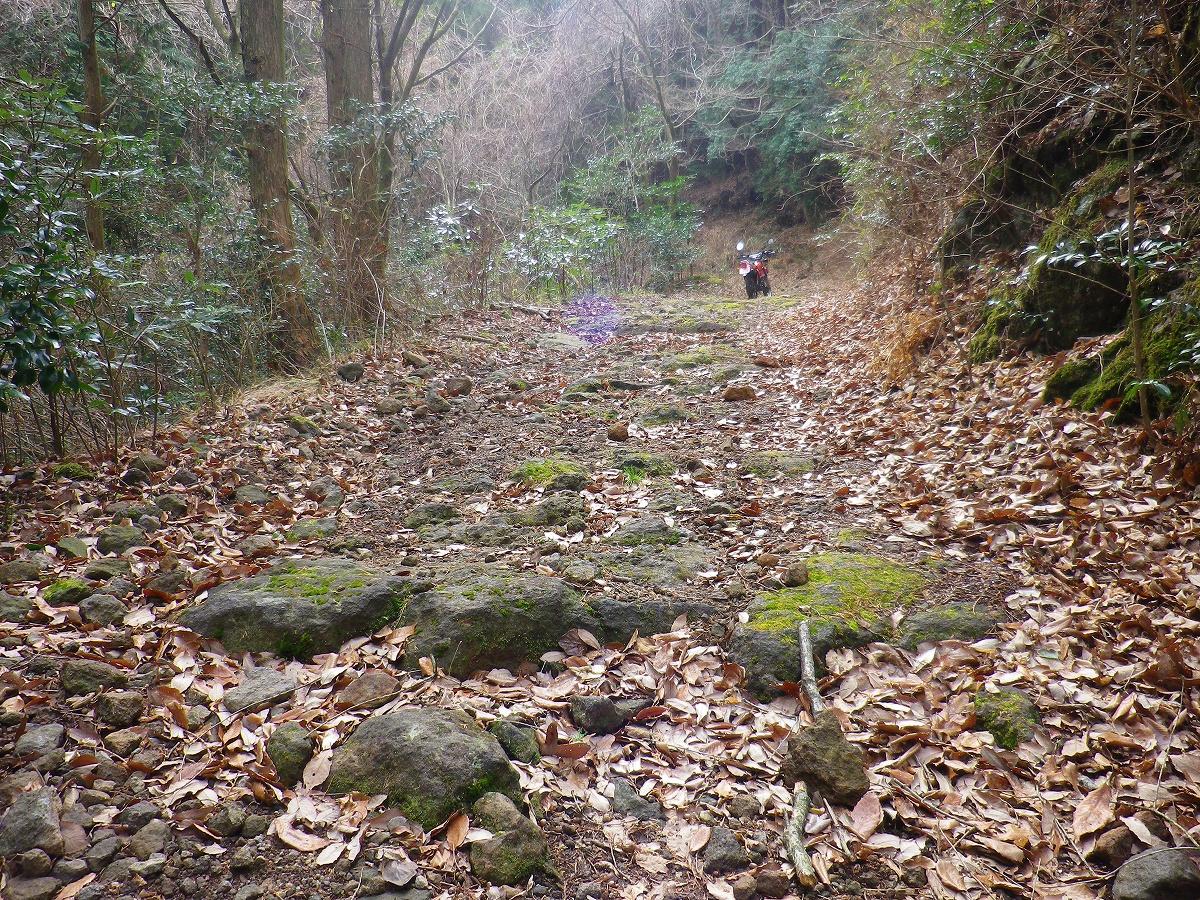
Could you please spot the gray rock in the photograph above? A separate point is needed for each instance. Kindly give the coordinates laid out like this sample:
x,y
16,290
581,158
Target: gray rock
x,y
101,853
431,514
227,820
25,569
724,852
312,529
170,584
596,715
252,494
520,742
120,587
116,539
458,386
31,823
351,371
102,609
120,708
68,870
151,838
85,676
554,510
628,802
40,739
647,530
1158,875
14,609
33,863
146,462
138,815
149,868
1008,714
561,342
260,687
954,621
248,892
369,690
255,825
104,569
172,505
67,592
327,492
185,477
256,545
31,888
492,618
430,763
299,607
73,547
414,359
125,741
516,850
821,755
290,747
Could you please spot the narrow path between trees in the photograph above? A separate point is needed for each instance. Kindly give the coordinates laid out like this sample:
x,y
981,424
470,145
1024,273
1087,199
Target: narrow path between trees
x,y
1006,622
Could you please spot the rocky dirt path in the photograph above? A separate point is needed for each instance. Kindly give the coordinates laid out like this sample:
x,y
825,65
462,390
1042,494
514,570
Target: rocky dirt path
x,y
258,660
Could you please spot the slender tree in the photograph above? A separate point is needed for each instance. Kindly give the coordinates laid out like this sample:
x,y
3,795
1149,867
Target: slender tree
x,y
266,148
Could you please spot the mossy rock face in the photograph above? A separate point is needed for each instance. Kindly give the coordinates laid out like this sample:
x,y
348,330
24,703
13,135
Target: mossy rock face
x,y
1063,294
14,609
639,466
1105,379
653,566
690,359
119,538
480,619
492,532
520,742
300,607
67,592
779,462
668,414
847,602
539,472
1008,714
952,622
21,570
312,529
430,763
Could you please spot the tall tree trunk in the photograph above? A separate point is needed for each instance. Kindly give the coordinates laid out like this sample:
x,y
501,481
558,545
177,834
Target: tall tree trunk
x,y
349,87
261,28
93,117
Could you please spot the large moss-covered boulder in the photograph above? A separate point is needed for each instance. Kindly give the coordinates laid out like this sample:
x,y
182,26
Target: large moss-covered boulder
x,y
847,602
299,607
492,618
431,763
1104,377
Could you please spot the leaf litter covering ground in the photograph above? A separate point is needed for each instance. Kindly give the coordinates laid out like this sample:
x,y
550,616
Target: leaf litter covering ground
x,y
974,470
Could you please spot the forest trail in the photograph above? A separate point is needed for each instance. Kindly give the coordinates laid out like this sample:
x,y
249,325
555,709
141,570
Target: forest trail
x,y
707,445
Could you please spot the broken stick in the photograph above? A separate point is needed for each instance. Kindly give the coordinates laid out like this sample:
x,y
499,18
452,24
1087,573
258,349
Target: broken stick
x,y
793,829
808,670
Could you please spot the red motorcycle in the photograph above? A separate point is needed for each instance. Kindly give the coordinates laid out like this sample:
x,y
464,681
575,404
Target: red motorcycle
x,y
753,269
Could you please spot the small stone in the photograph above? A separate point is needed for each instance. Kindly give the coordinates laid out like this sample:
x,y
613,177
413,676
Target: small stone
x,y
738,393
290,747
773,883
628,802
743,806
86,676
104,569
120,587
953,621
173,505
458,386
745,887
768,560
255,825
151,838
618,431
31,888
596,715
520,742
391,406
243,859
248,892
185,478
260,688
31,823
795,575
252,494
256,545
124,742
68,870
369,690
102,609
149,868
227,820
39,740
33,863
103,852
1112,848
1008,714
431,514
517,848
116,539
73,548
821,755
724,852
138,815
14,609
312,529
351,371
120,708
414,359
146,462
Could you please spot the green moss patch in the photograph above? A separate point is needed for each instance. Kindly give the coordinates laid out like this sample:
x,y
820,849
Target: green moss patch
x,y
67,592
538,472
320,585
72,471
843,589
1008,714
